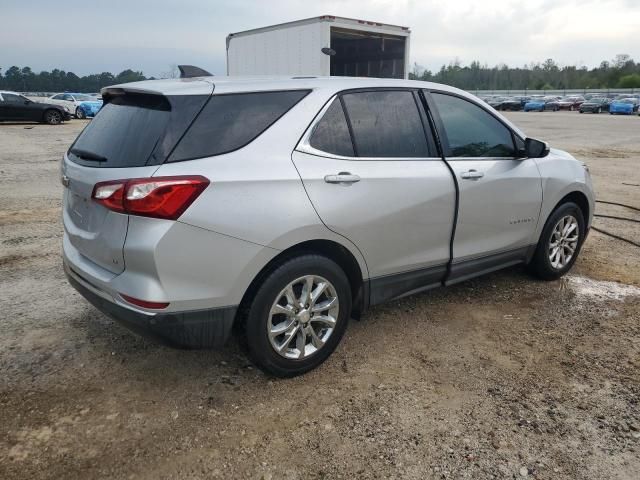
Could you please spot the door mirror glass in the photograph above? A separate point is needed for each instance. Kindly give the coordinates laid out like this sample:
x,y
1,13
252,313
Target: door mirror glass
x,y
535,148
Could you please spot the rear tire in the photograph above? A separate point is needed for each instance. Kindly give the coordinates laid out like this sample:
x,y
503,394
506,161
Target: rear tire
x,y
288,331
560,242
52,117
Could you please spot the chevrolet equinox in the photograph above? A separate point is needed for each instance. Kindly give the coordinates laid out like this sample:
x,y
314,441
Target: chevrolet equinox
x,y
283,207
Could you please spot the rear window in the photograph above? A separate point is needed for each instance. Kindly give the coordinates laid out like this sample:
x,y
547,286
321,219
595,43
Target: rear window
x,y
135,130
231,121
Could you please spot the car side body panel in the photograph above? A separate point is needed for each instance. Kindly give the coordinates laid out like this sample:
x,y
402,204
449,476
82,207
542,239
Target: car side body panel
x,y
499,211
268,196
561,175
400,214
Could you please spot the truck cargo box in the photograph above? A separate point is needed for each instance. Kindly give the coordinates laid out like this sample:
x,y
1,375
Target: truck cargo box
x,y
321,46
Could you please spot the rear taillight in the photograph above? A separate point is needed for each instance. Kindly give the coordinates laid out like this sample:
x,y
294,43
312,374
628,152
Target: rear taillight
x,y
157,197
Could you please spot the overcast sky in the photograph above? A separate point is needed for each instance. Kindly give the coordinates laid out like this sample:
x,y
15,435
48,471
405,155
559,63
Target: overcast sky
x,y
91,36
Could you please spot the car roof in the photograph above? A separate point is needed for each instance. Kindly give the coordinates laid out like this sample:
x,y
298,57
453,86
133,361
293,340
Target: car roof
x,y
9,91
253,83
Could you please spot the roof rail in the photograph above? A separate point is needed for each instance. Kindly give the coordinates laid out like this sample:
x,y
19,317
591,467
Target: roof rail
x,y
189,71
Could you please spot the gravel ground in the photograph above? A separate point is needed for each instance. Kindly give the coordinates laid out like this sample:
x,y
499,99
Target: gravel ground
x,y
499,377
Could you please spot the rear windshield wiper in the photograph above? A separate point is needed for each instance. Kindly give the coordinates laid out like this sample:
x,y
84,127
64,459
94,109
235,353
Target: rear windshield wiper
x,y
87,155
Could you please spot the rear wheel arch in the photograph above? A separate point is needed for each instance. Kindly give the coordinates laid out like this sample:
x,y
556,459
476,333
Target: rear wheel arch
x,y
327,248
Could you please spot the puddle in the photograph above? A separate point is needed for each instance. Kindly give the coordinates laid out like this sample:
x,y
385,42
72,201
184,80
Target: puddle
x,y
600,289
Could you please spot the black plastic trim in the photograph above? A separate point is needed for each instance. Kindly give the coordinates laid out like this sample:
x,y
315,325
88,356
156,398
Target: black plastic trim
x,y
475,267
193,329
436,127
398,285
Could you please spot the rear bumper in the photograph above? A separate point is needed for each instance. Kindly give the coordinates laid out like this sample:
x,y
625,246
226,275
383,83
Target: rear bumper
x,y
192,329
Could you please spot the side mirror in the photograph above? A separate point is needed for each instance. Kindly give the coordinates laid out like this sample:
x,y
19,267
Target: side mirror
x,y
535,148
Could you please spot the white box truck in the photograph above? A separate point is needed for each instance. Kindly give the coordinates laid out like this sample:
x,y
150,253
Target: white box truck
x,y
321,46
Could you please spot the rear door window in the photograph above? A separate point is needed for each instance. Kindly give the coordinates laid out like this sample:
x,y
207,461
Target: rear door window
x,y
231,121
471,131
331,133
386,123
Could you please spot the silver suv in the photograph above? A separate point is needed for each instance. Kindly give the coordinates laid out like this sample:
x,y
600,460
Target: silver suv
x,y
283,207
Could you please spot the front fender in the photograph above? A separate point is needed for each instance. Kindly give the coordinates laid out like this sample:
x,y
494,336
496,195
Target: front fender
x,y
562,175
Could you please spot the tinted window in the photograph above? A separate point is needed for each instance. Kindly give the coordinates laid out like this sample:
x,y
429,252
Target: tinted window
x,y
124,132
331,133
11,98
229,122
58,97
472,131
386,124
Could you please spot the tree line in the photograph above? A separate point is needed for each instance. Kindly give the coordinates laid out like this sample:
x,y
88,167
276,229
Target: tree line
x,y
621,72
26,80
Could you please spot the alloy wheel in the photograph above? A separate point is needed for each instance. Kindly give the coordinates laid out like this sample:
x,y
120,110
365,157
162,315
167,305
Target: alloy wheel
x,y
563,242
303,317
54,117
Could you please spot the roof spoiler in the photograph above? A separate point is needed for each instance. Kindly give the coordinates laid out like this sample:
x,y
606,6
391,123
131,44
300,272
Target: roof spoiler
x,y
189,71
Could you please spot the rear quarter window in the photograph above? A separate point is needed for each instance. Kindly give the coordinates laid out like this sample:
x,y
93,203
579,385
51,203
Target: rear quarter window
x,y
231,121
331,133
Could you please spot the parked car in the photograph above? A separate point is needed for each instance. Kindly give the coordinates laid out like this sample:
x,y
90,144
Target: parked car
x,y
273,205
569,103
514,104
70,101
495,102
14,106
540,105
624,106
595,105
88,109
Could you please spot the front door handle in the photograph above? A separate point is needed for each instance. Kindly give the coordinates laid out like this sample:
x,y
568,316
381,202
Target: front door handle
x,y
342,177
472,174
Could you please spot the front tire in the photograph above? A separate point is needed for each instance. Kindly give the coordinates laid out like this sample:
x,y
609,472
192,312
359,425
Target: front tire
x,y
559,243
80,114
298,315
53,117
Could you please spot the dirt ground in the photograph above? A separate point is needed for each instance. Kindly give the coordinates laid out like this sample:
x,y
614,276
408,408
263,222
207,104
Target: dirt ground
x,y
499,377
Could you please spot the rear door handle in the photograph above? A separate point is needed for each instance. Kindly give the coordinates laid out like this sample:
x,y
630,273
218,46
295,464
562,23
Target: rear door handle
x,y
472,174
342,177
